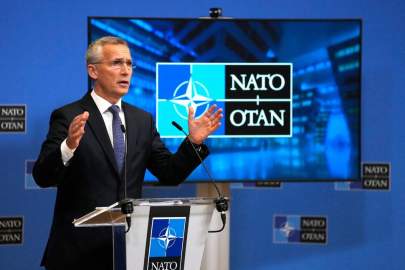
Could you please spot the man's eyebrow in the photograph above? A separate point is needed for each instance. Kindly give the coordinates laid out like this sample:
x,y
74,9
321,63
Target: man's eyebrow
x,y
121,58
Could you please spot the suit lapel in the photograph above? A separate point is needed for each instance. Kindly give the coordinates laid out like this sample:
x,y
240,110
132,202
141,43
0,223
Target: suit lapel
x,y
131,129
97,125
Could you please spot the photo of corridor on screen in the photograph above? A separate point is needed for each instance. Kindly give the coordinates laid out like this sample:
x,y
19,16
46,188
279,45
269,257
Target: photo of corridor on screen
x,y
290,91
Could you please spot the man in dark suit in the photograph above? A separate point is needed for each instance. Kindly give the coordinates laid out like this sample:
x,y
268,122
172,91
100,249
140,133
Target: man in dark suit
x,y
83,156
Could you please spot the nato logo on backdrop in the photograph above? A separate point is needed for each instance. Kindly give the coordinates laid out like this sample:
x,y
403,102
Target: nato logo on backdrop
x,y
12,118
374,177
256,98
11,230
290,229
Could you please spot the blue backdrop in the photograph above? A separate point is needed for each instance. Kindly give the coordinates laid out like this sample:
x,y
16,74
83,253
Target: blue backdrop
x,y
42,52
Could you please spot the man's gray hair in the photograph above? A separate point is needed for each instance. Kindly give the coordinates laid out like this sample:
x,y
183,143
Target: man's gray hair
x,y
93,54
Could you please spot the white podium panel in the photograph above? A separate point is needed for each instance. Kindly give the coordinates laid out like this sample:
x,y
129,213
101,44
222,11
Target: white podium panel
x,y
164,233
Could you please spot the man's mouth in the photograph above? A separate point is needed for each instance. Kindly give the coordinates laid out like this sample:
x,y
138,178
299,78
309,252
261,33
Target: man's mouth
x,y
123,83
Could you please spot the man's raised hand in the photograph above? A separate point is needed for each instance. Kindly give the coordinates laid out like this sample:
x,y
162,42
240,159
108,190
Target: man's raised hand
x,y
200,129
76,130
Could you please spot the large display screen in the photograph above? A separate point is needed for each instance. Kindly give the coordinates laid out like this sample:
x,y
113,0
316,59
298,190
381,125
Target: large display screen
x,y
290,91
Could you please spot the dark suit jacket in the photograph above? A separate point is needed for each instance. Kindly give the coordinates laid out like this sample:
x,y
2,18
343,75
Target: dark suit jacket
x,y
91,179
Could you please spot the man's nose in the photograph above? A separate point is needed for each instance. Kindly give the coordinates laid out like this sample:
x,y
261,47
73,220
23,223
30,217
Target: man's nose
x,y
125,70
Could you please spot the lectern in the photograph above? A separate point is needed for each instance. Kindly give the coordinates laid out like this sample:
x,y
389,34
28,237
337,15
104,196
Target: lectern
x,y
165,234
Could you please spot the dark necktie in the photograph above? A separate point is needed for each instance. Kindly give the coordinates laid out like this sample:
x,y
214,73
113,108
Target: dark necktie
x,y
118,137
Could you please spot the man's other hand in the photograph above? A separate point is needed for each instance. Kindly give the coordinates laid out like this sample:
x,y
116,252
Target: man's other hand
x,y
76,130
200,129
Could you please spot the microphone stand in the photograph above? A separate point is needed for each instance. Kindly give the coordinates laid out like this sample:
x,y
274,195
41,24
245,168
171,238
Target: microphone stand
x,y
127,206
221,203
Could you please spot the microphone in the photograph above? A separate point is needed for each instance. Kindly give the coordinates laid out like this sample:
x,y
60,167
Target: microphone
x,y
221,203
174,123
127,206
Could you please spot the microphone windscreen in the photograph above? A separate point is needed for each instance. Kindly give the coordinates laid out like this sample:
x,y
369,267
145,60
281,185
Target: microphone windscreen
x,y
177,125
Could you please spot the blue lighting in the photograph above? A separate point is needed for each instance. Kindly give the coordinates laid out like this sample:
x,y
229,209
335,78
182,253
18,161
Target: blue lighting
x,y
125,37
270,54
143,25
171,40
338,145
348,51
348,66
145,65
313,68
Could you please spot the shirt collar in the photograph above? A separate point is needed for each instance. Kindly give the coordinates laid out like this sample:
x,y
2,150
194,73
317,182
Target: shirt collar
x,y
102,104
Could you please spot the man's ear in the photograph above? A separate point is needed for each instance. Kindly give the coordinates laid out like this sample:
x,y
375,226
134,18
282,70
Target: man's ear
x,y
92,71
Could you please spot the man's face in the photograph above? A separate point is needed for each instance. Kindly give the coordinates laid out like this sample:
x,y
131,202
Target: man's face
x,y
112,75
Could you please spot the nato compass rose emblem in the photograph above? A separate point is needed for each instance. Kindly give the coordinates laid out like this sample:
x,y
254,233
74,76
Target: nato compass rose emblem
x,y
167,237
287,229
190,93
